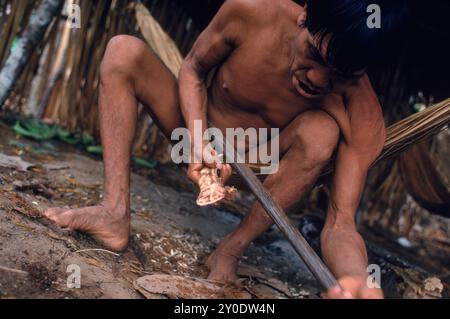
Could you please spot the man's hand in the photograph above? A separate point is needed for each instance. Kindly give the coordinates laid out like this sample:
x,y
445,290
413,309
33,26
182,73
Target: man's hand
x,y
353,288
207,157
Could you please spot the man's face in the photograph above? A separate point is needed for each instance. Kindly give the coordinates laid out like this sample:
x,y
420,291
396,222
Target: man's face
x,y
311,74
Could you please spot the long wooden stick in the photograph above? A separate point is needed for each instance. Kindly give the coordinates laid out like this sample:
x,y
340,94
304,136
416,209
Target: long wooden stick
x,y
301,246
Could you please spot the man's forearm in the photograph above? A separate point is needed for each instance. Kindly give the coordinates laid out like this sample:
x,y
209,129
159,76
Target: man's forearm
x,y
193,97
343,248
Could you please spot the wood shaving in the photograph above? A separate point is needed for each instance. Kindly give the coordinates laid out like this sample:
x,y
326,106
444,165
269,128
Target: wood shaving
x,y
212,190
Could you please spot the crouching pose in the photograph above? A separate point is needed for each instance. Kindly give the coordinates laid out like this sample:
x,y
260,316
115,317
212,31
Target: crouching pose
x,y
301,69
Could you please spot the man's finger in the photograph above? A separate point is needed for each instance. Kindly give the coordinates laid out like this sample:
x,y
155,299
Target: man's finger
x,y
211,159
195,178
337,293
193,173
225,172
211,165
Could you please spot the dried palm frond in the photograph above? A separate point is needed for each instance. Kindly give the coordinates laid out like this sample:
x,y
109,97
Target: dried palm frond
x,y
416,128
158,40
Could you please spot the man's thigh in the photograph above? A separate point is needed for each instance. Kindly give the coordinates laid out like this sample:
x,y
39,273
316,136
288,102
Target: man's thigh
x,y
156,87
314,134
313,127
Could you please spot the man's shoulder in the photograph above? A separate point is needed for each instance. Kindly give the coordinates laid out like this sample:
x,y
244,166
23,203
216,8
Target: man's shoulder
x,y
359,115
363,100
254,11
366,115
248,6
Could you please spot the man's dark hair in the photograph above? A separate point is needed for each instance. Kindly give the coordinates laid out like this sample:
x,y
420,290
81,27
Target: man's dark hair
x,y
352,45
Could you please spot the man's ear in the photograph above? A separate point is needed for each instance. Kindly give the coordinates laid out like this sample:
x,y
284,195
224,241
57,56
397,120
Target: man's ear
x,y
302,17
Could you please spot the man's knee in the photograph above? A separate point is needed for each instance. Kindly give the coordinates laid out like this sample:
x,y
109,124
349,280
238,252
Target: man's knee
x,y
317,135
123,55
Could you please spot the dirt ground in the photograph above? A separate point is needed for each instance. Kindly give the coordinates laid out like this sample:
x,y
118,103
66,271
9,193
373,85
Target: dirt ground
x,y
170,234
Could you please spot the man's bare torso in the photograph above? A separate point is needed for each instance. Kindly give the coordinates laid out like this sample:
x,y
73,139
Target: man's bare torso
x,y
253,87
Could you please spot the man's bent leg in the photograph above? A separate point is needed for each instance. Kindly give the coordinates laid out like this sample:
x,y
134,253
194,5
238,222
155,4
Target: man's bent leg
x,y
307,143
130,72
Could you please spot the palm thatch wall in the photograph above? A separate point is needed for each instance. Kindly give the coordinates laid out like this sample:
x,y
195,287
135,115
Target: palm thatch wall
x,y
60,82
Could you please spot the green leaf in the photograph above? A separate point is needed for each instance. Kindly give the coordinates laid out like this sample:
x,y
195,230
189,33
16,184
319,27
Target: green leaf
x,y
95,149
87,139
18,129
72,140
62,132
33,129
145,163
68,137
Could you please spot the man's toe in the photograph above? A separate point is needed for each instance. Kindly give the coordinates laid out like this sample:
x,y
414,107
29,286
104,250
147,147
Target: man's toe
x,y
54,214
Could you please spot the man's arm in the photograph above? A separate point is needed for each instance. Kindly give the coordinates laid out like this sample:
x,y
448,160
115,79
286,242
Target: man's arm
x,y
343,248
214,45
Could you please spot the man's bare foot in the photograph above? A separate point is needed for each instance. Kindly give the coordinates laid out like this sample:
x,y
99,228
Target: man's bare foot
x,y
108,228
222,267
223,263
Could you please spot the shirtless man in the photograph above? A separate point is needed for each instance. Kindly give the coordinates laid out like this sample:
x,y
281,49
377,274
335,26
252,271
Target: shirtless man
x,y
299,69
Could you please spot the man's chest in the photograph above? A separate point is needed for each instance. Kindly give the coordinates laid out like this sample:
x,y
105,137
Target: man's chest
x,y
251,82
